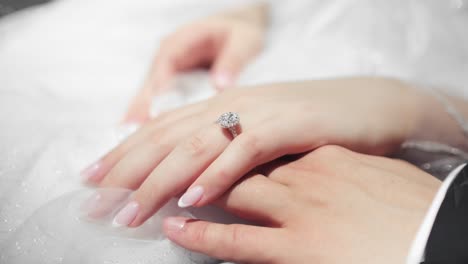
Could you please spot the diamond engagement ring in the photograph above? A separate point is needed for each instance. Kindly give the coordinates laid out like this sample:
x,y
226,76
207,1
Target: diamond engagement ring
x,y
229,120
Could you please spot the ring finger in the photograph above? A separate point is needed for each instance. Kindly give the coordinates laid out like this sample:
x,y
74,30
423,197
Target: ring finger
x,y
175,173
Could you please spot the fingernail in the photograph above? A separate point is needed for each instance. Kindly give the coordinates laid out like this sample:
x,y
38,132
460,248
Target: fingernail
x,y
192,196
126,215
91,171
223,80
175,224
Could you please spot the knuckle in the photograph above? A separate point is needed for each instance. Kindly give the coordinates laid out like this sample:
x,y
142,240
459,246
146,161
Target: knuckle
x,y
227,246
283,175
236,235
220,181
195,146
250,144
254,184
199,234
222,174
324,160
330,151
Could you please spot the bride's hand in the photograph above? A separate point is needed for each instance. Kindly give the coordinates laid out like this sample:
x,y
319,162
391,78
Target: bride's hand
x,y
225,42
185,149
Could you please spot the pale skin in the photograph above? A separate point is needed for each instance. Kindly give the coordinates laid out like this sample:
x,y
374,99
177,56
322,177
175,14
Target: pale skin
x,y
332,200
184,151
224,43
330,206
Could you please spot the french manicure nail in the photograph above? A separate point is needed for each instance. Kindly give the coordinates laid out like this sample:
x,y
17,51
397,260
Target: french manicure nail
x,y
91,171
192,196
126,215
175,224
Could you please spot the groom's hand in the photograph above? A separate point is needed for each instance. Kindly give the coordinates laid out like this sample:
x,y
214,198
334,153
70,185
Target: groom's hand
x,y
330,206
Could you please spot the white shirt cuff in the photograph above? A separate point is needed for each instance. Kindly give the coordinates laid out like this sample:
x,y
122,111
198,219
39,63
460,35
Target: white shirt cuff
x,y
416,253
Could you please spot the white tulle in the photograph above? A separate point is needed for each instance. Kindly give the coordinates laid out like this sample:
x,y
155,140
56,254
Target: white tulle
x,y
69,68
61,232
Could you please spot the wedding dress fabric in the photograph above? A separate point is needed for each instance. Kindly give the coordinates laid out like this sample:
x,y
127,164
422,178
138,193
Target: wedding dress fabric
x,y
69,68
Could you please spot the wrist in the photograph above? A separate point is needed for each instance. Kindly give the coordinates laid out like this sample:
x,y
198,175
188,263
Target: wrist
x,y
433,121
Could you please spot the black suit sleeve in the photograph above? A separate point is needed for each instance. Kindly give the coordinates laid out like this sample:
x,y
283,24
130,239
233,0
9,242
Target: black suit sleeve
x,y
448,240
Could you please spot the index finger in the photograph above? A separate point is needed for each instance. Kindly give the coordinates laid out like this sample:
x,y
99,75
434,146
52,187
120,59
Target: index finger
x,y
235,242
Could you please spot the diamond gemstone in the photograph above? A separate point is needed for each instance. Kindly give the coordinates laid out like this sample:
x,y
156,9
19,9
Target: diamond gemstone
x,y
229,119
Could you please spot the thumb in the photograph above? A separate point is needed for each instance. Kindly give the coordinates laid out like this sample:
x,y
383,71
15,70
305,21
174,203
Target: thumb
x,y
235,242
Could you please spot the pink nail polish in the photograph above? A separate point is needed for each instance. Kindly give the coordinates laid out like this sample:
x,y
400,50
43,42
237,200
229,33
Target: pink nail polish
x,y
126,215
192,196
91,171
174,224
223,80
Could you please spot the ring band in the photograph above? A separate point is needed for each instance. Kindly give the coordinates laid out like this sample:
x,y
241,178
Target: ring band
x,y
229,120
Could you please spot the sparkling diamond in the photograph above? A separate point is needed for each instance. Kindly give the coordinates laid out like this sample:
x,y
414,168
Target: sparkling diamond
x,y
229,119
